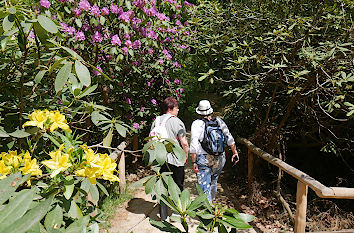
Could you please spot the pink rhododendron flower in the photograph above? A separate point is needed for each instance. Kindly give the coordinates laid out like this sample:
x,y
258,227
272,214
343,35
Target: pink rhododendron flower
x,y
139,3
115,9
95,11
177,81
77,12
128,43
97,37
154,101
71,30
105,11
126,16
142,109
136,125
151,51
64,27
137,44
84,5
128,101
31,34
178,23
169,57
187,3
160,61
45,3
85,27
176,64
181,90
95,72
125,50
115,40
126,36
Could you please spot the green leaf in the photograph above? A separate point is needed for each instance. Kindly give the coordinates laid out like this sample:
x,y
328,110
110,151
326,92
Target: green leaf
x,y
8,22
121,130
47,24
150,184
185,198
39,76
245,217
31,218
73,53
16,208
12,10
179,153
19,134
236,222
160,188
87,91
78,226
104,190
62,77
146,146
173,189
74,211
69,187
54,218
9,185
197,202
164,226
222,229
40,33
94,192
82,73
108,139
3,133
160,152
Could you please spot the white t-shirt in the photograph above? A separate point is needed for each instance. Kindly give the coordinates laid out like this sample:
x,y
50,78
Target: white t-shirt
x,y
197,134
175,129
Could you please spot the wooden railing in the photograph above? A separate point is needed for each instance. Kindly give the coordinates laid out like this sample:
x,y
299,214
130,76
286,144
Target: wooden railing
x,y
304,181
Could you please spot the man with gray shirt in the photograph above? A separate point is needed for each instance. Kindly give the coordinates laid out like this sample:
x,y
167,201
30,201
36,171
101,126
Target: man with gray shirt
x,y
177,131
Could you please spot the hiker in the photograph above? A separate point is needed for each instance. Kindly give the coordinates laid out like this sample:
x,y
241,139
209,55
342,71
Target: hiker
x,y
176,130
208,159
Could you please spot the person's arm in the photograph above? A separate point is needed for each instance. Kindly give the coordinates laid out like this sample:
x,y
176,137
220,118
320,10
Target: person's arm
x,y
194,162
234,153
184,143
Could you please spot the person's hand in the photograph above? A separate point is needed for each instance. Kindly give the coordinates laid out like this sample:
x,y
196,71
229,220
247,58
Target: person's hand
x,y
233,158
195,167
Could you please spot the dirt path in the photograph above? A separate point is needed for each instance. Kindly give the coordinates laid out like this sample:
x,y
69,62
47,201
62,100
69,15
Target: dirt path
x,y
134,215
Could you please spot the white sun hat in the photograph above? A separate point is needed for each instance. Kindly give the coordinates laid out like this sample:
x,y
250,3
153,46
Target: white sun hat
x,y
204,108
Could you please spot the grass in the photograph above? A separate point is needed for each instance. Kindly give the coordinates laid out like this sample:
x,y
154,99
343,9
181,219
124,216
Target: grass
x,y
111,203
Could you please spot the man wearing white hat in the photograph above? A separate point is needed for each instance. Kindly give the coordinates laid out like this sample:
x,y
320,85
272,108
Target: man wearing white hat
x,y
208,165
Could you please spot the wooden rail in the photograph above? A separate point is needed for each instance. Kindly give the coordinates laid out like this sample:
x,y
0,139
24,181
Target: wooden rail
x,y
304,181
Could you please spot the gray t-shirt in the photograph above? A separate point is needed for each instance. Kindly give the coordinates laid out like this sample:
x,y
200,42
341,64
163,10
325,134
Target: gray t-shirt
x,y
175,129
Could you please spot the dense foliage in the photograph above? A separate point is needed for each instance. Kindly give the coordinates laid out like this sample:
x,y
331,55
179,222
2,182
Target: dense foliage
x,y
286,68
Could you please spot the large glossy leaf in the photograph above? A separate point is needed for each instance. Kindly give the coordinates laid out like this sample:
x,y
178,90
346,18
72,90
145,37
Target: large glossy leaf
x,y
8,22
164,226
108,139
160,152
9,185
69,187
62,77
31,218
236,222
54,218
19,134
180,154
121,130
82,73
94,193
197,202
104,190
39,76
3,133
150,184
146,146
47,24
74,211
173,189
16,208
185,198
79,226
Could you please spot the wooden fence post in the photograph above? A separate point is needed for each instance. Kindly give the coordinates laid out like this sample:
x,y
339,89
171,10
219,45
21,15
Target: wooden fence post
x,y
250,174
301,205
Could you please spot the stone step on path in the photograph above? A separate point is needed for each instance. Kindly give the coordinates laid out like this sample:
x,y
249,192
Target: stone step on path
x,y
134,215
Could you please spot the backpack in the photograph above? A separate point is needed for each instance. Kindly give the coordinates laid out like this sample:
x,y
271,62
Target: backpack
x,y
159,131
214,139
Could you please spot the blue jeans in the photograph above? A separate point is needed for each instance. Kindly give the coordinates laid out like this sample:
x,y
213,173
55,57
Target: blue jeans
x,y
209,167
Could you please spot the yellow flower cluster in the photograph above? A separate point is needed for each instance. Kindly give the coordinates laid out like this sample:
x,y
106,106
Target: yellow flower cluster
x,y
94,165
12,162
47,120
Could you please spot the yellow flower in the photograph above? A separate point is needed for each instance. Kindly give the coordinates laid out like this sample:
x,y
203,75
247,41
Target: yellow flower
x,y
32,167
12,159
37,118
58,120
108,168
4,170
59,162
90,173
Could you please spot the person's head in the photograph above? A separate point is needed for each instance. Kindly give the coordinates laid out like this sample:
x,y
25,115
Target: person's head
x,y
204,108
170,105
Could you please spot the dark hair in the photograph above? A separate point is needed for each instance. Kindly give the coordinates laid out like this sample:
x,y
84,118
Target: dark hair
x,y
169,103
